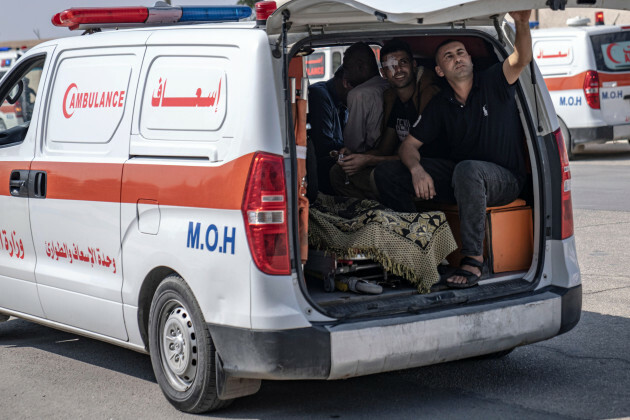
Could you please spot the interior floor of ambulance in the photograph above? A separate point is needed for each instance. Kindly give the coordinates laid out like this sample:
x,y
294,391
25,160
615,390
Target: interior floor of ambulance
x,y
383,293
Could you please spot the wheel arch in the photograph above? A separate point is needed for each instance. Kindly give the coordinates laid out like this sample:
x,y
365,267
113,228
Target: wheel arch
x,y
145,297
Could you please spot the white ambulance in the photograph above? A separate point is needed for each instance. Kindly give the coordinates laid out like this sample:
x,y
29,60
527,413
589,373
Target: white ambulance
x,y
322,63
587,72
151,200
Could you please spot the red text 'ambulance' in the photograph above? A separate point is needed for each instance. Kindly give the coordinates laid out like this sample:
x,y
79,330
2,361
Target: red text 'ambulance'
x,y
75,99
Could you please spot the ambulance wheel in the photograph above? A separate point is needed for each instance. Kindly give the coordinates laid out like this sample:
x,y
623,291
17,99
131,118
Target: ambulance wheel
x,y
182,352
4,317
568,141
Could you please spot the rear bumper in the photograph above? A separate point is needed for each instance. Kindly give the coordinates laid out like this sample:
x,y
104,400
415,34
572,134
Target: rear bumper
x,y
599,134
400,342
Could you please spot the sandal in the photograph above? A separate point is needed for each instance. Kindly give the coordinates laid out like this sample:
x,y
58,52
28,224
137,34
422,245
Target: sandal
x,y
445,272
471,278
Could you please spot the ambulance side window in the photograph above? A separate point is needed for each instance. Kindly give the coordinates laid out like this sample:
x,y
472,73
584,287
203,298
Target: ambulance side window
x,y
18,94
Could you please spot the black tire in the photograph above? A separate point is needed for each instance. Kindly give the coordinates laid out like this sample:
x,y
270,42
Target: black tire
x,y
182,352
568,141
4,318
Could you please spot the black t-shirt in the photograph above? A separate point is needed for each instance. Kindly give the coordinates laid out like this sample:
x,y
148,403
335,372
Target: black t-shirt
x,y
486,128
402,117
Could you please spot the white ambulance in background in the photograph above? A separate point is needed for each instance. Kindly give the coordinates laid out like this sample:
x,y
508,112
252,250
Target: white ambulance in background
x,y
587,72
323,62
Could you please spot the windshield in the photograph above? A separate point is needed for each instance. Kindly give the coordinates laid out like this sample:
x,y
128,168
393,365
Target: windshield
x,y
612,51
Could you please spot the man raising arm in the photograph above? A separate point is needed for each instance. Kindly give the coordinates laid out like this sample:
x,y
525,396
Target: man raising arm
x,y
477,117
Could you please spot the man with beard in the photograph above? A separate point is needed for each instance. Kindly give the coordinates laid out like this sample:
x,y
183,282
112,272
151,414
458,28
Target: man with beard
x,y
478,119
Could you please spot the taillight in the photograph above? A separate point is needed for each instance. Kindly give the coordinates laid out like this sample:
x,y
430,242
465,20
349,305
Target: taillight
x,y
567,206
591,89
265,213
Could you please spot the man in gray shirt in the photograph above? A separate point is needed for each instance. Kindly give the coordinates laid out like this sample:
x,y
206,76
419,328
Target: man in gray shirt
x,y
365,115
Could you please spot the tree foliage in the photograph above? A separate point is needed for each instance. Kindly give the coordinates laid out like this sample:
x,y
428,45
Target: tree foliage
x,y
249,3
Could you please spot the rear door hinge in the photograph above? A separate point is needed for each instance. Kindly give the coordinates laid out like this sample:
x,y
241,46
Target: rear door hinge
x,y
556,4
315,28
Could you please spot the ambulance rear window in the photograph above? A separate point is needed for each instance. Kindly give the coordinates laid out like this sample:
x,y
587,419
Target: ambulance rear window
x,y
612,51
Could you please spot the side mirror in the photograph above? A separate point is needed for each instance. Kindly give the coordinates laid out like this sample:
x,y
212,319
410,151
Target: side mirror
x,y
15,93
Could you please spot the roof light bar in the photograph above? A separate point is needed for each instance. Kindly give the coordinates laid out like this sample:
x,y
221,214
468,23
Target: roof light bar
x,y
214,14
103,17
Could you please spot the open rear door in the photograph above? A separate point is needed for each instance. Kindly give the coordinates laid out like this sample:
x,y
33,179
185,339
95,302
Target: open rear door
x,y
342,15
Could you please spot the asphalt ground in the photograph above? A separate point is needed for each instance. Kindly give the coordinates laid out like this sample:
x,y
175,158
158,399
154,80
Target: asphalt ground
x,y
584,373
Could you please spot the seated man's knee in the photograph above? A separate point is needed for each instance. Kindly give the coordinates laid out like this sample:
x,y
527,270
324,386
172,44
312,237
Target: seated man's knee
x,y
386,173
337,178
467,173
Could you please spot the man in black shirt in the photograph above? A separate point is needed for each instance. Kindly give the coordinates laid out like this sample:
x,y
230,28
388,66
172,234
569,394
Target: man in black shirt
x,y
411,89
478,119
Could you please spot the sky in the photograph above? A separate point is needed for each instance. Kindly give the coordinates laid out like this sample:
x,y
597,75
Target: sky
x,y
26,19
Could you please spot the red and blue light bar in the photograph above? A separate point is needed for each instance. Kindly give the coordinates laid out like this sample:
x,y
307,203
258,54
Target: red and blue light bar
x,y
102,17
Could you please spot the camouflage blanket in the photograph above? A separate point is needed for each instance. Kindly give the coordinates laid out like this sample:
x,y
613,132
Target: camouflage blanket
x,y
410,245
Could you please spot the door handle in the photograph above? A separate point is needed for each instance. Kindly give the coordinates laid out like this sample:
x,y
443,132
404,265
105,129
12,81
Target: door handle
x,y
18,183
37,181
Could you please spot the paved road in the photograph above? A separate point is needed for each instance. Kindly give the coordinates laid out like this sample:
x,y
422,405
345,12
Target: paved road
x,y
582,374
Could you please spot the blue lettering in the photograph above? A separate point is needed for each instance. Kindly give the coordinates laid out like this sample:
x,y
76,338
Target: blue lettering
x,y
211,238
193,236
212,228
228,239
612,94
570,101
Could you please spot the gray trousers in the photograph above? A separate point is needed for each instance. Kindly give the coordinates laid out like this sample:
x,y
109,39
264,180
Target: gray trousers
x,y
471,184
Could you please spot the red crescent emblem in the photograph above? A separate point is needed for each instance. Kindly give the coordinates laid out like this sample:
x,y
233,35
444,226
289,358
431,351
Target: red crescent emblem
x,y
608,53
65,97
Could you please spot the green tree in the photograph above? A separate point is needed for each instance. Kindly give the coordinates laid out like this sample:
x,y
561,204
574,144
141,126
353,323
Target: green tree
x,y
249,3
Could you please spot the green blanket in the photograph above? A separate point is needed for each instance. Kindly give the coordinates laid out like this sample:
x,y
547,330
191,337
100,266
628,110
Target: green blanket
x,y
410,245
